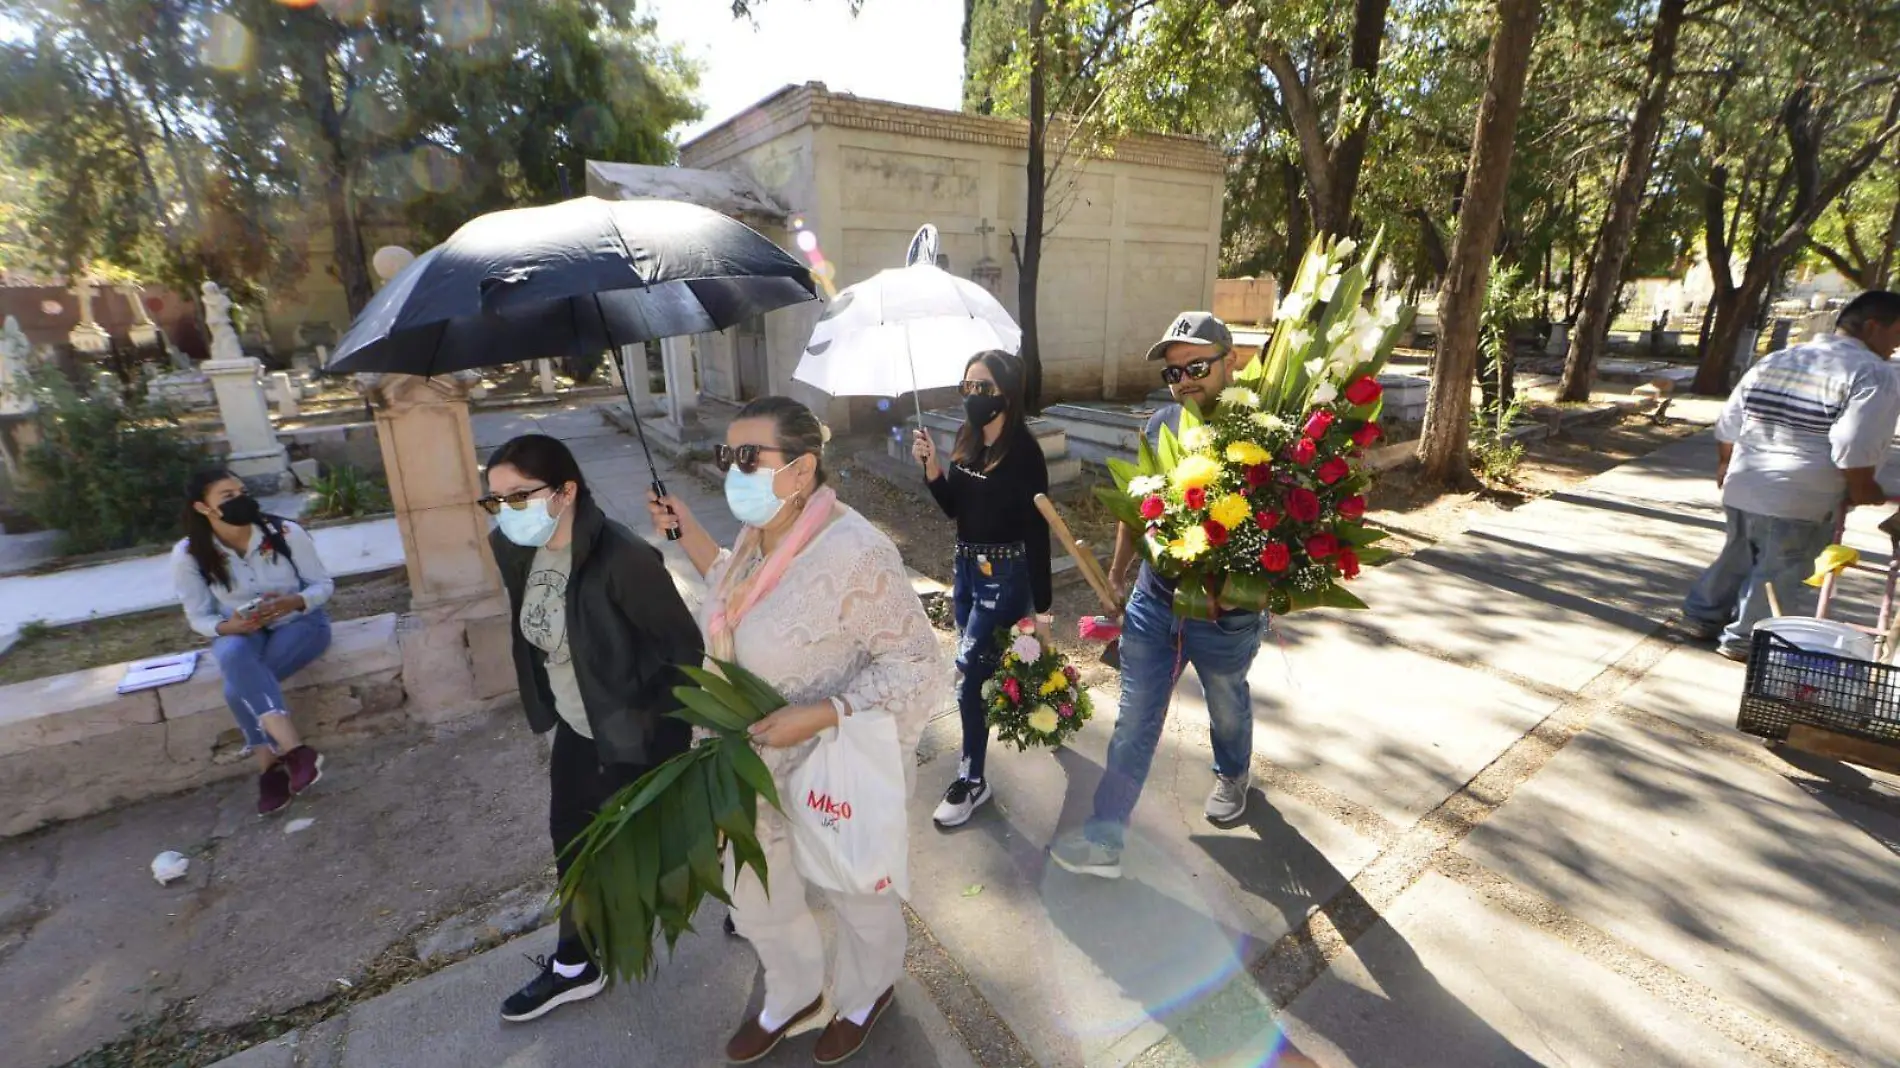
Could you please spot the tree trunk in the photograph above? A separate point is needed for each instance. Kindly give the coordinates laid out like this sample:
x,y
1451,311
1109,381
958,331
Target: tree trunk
x,y
1447,432
1368,35
1296,238
349,255
1889,243
1729,316
1626,202
1029,263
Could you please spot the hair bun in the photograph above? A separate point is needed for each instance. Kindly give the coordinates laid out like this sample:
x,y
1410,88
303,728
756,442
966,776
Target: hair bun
x,y
824,434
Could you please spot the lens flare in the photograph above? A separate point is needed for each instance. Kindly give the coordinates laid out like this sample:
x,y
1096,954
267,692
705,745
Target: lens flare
x,y
807,242
464,22
227,43
435,169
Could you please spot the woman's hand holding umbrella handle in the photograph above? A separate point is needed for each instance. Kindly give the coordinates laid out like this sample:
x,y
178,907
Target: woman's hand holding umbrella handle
x,y
674,521
925,452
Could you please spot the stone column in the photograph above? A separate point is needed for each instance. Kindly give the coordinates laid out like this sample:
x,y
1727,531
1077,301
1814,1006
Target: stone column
x,y
682,392
256,455
456,641
633,371
544,376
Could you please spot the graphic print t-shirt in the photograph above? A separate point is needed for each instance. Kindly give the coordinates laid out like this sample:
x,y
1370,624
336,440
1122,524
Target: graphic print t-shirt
x,y
544,624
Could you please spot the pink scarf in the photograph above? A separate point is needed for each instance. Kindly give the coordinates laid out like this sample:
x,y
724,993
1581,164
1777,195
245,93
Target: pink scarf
x,y
735,597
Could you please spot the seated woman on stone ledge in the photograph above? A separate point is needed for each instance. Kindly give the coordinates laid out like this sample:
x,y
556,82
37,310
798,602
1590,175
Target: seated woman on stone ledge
x,y
254,585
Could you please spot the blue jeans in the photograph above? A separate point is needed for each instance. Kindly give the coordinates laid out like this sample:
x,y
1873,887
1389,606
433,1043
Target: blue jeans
x,y
254,664
1155,645
1760,549
984,604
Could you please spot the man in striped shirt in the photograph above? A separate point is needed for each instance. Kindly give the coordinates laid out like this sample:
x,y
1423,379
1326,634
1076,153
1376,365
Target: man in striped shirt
x,y
1800,439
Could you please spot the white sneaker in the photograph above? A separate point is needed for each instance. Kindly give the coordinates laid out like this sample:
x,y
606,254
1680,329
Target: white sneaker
x,y
1228,799
1076,852
960,802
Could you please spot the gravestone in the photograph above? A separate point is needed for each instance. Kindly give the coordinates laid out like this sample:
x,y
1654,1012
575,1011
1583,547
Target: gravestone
x,y
143,332
19,410
284,394
256,455
544,376
88,337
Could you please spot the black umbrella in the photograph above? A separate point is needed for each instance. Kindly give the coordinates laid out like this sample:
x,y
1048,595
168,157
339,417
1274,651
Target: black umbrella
x,y
570,279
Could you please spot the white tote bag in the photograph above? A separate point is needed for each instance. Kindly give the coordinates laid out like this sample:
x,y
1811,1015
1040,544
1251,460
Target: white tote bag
x,y
847,810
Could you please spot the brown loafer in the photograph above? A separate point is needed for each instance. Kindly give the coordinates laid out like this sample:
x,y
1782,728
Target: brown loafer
x,y
753,1041
843,1038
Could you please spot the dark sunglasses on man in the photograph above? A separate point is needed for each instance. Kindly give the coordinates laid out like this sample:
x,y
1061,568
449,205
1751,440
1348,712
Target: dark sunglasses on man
x,y
744,457
516,500
1195,369
979,389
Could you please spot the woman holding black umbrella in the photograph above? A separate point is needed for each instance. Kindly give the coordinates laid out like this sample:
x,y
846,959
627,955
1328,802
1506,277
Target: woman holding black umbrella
x,y
599,631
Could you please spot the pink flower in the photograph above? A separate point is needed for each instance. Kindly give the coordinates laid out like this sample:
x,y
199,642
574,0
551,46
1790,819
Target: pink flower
x,y
1069,672
1152,507
1068,711
1014,690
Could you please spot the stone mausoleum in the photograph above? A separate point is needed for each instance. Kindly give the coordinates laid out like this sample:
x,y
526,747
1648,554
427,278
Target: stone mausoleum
x,y
1133,238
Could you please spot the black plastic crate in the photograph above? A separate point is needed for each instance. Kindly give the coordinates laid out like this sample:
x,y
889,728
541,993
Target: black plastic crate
x,y
1789,685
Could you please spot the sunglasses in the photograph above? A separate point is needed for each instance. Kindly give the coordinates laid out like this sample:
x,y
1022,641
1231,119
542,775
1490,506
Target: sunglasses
x,y
1195,369
979,389
516,500
744,457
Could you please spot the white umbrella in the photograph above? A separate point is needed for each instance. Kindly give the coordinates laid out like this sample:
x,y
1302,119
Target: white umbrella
x,y
904,330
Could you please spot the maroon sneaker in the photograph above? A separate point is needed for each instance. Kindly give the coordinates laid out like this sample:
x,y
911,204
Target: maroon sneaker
x,y
306,767
273,790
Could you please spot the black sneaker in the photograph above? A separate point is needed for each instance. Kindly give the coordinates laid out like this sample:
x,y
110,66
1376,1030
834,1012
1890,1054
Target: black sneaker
x,y
960,802
550,990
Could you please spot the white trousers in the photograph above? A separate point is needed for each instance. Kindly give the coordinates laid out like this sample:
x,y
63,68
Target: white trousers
x,y
869,955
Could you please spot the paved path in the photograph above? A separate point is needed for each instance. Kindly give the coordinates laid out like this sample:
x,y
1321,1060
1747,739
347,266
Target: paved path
x,y
1502,819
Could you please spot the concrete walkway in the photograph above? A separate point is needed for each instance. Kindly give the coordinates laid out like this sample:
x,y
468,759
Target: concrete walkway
x,y
1502,819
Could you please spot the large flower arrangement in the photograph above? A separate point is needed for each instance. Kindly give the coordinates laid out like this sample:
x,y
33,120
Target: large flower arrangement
x,y
1260,504
1036,697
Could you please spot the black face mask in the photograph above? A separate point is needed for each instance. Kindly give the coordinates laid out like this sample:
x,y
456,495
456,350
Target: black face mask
x,y
980,409
241,511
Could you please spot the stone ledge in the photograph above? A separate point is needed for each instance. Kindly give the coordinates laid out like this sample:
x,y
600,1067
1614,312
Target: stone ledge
x,y
70,708
358,647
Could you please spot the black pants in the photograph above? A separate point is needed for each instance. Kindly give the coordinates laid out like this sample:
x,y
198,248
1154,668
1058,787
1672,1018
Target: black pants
x,y
578,784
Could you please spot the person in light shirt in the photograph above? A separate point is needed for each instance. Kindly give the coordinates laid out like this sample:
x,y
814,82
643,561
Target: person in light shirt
x,y
1800,441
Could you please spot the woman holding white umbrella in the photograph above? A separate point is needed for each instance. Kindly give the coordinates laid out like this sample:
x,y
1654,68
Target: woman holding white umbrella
x,y
1002,555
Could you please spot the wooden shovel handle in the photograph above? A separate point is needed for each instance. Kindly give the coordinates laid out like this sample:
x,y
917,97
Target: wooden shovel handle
x,y
1084,560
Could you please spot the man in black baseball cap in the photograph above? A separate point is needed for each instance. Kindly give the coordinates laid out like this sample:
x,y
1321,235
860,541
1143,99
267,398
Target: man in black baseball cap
x,y
1197,362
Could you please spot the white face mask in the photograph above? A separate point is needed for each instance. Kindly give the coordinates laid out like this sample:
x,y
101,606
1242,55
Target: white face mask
x,y
529,527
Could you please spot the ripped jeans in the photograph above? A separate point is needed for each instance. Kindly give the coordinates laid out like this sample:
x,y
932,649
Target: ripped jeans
x,y
254,664
984,604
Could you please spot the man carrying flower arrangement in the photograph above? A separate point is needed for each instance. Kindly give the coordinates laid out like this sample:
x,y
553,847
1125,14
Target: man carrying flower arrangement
x,y
1248,498
1197,363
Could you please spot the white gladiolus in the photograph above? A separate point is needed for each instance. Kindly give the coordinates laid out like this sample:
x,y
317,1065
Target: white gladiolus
x,y
1146,485
1346,247
1315,366
1298,338
1389,310
1328,286
1325,393
1293,308
1240,396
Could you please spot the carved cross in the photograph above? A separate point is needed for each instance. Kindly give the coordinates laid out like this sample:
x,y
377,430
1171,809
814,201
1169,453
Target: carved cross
x,y
985,230
83,289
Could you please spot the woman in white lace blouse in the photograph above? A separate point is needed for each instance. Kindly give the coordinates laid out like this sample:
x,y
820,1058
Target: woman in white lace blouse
x,y
816,601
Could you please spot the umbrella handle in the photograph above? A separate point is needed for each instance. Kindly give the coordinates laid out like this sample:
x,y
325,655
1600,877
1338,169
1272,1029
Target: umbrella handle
x,y
659,493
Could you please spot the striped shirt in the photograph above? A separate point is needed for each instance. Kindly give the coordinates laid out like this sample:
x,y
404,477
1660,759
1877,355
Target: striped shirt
x,y
1799,419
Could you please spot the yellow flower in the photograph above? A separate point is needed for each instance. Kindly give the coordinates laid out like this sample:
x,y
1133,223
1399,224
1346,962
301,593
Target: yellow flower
x,y
1043,720
1190,545
1246,453
1230,511
1193,472
1053,683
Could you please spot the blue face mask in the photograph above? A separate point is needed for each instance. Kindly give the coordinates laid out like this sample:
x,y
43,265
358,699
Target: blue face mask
x,y
529,527
751,497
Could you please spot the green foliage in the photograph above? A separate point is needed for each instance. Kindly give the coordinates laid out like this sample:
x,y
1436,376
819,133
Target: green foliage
x,y
200,138
107,476
652,854
346,493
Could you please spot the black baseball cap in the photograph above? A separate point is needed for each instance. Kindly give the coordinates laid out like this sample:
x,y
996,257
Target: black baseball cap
x,y
1195,328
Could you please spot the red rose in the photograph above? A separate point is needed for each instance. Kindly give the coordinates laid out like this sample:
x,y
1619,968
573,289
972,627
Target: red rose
x,y
1267,520
1195,498
1367,435
1302,504
1303,451
1353,507
1333,470
1321,546
1364,391
1275,558
1319,423
1152,507
1259,475
1348,563
1216,534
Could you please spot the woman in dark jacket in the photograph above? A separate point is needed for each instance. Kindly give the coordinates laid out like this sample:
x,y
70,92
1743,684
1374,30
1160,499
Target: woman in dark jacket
x,y
1002,564
600,631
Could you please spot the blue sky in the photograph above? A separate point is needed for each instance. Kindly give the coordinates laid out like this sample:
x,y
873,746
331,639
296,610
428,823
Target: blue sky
x,y
902,50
